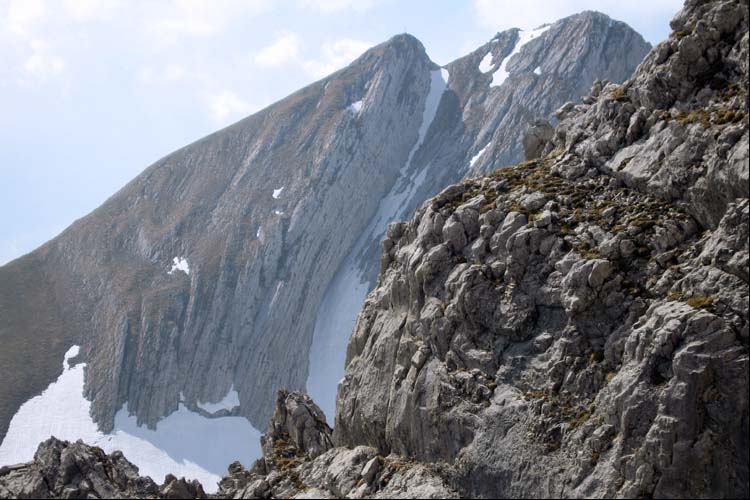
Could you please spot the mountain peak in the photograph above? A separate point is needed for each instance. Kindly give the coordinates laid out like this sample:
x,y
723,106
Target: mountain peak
x,y
403,45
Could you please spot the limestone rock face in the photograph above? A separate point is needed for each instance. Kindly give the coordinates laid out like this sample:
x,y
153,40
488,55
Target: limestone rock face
x,y
580,326
260,217
678,127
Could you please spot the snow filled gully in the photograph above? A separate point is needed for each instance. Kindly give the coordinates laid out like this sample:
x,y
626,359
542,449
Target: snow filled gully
x,y
347,291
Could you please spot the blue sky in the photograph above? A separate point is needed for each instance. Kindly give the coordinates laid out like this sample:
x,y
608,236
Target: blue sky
x,y
94,91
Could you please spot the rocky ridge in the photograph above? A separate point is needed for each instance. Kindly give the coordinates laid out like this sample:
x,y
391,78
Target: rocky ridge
x,y
577,325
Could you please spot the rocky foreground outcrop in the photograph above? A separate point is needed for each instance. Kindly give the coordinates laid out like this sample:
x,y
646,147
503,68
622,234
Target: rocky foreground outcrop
x,y
75,470
577,325
300,461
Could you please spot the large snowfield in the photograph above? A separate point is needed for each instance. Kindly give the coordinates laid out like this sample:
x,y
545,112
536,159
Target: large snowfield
x,y
184,443
346,293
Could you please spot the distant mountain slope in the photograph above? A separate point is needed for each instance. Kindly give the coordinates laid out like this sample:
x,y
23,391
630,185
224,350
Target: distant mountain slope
x,y
207,271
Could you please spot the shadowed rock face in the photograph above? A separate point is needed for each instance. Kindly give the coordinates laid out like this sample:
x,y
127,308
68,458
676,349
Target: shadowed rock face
x,y
259,259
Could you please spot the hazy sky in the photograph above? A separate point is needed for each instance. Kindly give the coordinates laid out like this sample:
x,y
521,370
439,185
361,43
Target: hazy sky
x,y
94,91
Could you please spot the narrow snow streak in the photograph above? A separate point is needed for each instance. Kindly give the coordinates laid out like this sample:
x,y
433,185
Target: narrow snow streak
x,y
346,293
183,443
524,37
478,155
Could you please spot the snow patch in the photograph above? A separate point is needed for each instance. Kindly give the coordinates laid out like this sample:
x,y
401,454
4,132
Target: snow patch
x,y
537,70
229,402
485,66
277,193
524,37
478,155
180,264
184,443
278,212
346,293
355,107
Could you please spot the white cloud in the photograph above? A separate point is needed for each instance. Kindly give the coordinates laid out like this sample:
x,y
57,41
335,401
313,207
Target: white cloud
x,y
329,6
168,22
284,49
170,73
225,104
31,57
90,10
43,63
504,14
335,55
22,16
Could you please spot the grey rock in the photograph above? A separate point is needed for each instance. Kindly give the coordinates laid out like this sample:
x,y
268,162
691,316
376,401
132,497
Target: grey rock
x,y
370,469
599,352
454,234
287,471
300,421
617,350
533,201
62,469
536,139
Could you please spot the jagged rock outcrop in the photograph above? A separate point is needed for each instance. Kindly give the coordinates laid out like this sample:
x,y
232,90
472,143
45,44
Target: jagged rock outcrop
x,y
261,215
75,470
577,325
298,420
678,128
299,461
